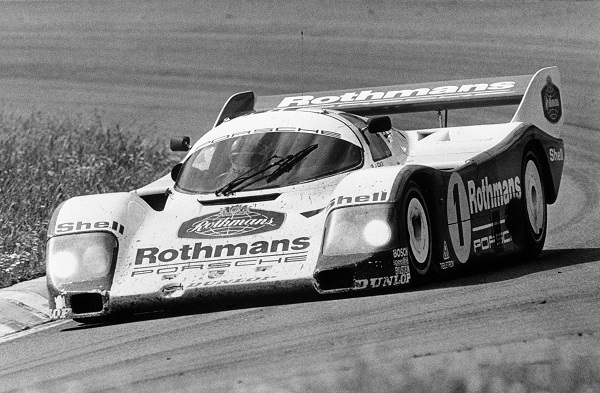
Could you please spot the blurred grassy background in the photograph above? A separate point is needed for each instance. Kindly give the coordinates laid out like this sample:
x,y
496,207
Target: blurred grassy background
x,y
48,158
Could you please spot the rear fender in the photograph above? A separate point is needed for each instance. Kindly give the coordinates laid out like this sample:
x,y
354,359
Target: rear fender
x,y
551,154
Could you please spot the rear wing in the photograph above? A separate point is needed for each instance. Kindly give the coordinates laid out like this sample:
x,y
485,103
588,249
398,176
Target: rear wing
x,y
538,97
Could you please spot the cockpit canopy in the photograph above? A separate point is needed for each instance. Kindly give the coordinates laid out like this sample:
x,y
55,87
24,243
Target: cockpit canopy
x,y
255,146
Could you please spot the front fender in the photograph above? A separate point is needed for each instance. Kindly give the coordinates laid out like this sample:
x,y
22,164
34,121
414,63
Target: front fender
x,y
377,185
76,219
386,264
119,213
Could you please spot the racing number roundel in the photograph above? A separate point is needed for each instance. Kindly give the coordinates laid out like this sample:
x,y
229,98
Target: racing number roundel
x,y
459,217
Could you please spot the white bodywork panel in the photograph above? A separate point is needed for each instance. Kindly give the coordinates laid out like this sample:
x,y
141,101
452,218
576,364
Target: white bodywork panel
x,y
451,147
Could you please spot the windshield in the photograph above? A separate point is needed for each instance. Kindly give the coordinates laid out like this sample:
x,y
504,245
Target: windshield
x,y
215,165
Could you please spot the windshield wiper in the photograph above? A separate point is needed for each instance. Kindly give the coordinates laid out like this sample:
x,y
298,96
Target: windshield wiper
x,y
228,188
284,164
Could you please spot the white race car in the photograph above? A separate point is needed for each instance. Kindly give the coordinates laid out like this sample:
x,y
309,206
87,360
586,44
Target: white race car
x,y
318,191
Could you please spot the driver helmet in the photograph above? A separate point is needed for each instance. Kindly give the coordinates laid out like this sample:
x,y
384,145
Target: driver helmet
x,y
247,153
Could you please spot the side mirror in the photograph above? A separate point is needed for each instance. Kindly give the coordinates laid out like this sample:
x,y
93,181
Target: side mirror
x,y
175,171
379,124
180,143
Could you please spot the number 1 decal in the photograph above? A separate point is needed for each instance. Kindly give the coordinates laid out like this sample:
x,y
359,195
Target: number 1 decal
x,y
459,217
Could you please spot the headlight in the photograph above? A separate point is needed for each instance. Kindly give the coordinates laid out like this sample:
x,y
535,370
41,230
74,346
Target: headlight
x,y
360,229
377,233
80,257
64,264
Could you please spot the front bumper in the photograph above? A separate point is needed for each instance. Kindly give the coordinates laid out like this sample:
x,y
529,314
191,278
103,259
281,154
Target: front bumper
x,y
94,303
346,273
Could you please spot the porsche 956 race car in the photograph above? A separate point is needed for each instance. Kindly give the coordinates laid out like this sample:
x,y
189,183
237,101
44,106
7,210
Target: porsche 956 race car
x,y
319,191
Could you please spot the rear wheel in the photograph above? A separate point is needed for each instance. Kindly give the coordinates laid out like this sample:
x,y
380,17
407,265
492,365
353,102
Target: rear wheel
x,y
534,207
418,231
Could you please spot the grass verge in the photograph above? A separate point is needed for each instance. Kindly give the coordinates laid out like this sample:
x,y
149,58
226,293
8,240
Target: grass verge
x,y
47,159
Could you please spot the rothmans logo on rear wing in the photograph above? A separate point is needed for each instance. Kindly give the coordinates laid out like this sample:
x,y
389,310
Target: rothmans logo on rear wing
x,y
408,98
543,110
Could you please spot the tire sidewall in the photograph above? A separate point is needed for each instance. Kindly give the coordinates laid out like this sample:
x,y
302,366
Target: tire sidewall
x,y
414,194
533,242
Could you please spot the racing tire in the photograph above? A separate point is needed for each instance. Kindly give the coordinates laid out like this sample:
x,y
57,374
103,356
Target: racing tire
x,y
533,206
419,234
88,321
93,320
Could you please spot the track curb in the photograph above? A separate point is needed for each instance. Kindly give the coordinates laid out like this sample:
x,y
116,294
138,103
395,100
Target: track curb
x,y
23,306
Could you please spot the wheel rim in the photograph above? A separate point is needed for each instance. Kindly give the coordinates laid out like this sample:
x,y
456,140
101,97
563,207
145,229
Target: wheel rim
x,y
534,198
418,230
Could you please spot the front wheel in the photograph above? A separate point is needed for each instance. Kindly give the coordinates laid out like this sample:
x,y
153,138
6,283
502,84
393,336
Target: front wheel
x,y
92,320
417,225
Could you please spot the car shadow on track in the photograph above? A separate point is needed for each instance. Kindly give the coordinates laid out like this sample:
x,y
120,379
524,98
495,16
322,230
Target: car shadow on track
x,y
492,270
495,270
509,268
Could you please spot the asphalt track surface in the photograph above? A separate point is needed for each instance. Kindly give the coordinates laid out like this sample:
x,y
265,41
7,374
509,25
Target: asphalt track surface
x,y
519,311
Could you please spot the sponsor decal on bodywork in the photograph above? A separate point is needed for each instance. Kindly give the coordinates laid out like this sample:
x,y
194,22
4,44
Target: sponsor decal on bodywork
x,y
230,282
213,274
200,257
196,251
60,310
493,240
446,253
459,217
232,221
260,264
380,196
400,276
66,227
268,130
556,155
370,97
551,101
400,261
479,197
446,263
381,282
491,195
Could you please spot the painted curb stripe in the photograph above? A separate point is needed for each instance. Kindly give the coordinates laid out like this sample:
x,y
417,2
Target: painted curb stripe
x,y
34,310
5,329
22,307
